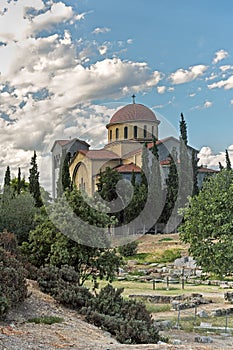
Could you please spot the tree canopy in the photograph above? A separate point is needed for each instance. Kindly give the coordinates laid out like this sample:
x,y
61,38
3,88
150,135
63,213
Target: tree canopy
x,y
208,224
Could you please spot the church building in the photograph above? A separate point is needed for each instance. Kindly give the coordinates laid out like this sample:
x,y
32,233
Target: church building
x,y
128,130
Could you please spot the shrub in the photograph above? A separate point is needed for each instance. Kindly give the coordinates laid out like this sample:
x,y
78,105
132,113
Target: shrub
x,y
46,320
128,320
13,288
128,249
62,284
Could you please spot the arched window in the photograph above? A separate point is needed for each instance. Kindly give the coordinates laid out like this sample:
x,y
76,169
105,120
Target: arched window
x,y
145,131
152,130
125,132
117,133
110,135
135,131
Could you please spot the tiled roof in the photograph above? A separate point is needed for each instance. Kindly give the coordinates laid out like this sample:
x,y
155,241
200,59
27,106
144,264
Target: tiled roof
x,y
66,142
128,168
132,112
202,169
99,154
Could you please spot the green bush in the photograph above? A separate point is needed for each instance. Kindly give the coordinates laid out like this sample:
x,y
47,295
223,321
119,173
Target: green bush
x,y
13,288
62,284
128,320
128,249
46,320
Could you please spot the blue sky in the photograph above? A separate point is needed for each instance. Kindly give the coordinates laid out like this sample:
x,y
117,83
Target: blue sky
x,y
66,66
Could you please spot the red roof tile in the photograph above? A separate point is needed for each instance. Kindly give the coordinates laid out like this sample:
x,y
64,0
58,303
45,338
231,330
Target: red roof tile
x,y
128,168
132,112
202,169
99,154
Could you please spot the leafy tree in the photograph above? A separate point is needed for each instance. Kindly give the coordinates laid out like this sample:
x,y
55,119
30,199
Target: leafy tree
x,y
208,224
34,185
228,161
107,183
18,184
17,214
77,239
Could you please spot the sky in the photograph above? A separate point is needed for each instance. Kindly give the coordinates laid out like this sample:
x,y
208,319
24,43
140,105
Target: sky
x,y
66,66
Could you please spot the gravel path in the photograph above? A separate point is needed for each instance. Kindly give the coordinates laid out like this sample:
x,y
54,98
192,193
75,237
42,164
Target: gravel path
x,y
17,334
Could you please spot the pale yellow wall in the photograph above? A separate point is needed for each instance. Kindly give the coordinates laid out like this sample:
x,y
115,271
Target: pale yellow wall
x,y
140,125
82,177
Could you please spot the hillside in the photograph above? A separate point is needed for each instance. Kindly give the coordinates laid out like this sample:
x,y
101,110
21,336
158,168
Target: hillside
x,y
73,333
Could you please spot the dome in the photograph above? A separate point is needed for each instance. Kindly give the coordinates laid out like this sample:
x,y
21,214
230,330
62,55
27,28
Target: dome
x,y
133,112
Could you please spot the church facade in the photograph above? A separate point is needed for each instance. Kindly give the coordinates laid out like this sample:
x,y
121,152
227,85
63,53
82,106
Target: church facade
x,y
128,130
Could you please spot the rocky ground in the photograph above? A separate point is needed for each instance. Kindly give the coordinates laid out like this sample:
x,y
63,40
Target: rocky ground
x,y
73,333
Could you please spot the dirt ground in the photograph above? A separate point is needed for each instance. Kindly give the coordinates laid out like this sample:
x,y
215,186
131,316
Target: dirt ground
x,y
74,333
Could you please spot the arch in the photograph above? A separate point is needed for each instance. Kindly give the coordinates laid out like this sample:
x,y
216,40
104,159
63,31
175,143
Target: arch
x,y
145,131
81,184
125,132
117,133
110,135
135,131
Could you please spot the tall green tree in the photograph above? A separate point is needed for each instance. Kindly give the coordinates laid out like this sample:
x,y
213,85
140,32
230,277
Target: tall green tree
x,y
34,185
64,182
195,173
228,161
7,178
172,186
185,170
208,225
155,193
183,130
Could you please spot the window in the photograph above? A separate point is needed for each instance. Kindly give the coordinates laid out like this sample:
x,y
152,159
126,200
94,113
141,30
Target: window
x,y
152,130
145,131
135,131
117,133
125,132
110,135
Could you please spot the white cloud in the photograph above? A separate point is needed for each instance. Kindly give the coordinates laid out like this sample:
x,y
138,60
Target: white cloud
x,y
207,157
101,30
208,104
225,68
183,75
226,84
231,102
130,41
220,55
161,89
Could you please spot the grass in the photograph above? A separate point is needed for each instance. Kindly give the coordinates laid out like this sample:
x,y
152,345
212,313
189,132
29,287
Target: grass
x,y
46,320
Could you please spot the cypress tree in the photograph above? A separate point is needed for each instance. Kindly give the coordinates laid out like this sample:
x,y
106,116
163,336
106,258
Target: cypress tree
x,y
7,178
221,167
34,186
66,180
183,130
185,171
228,161
195,173
19,182
172,183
